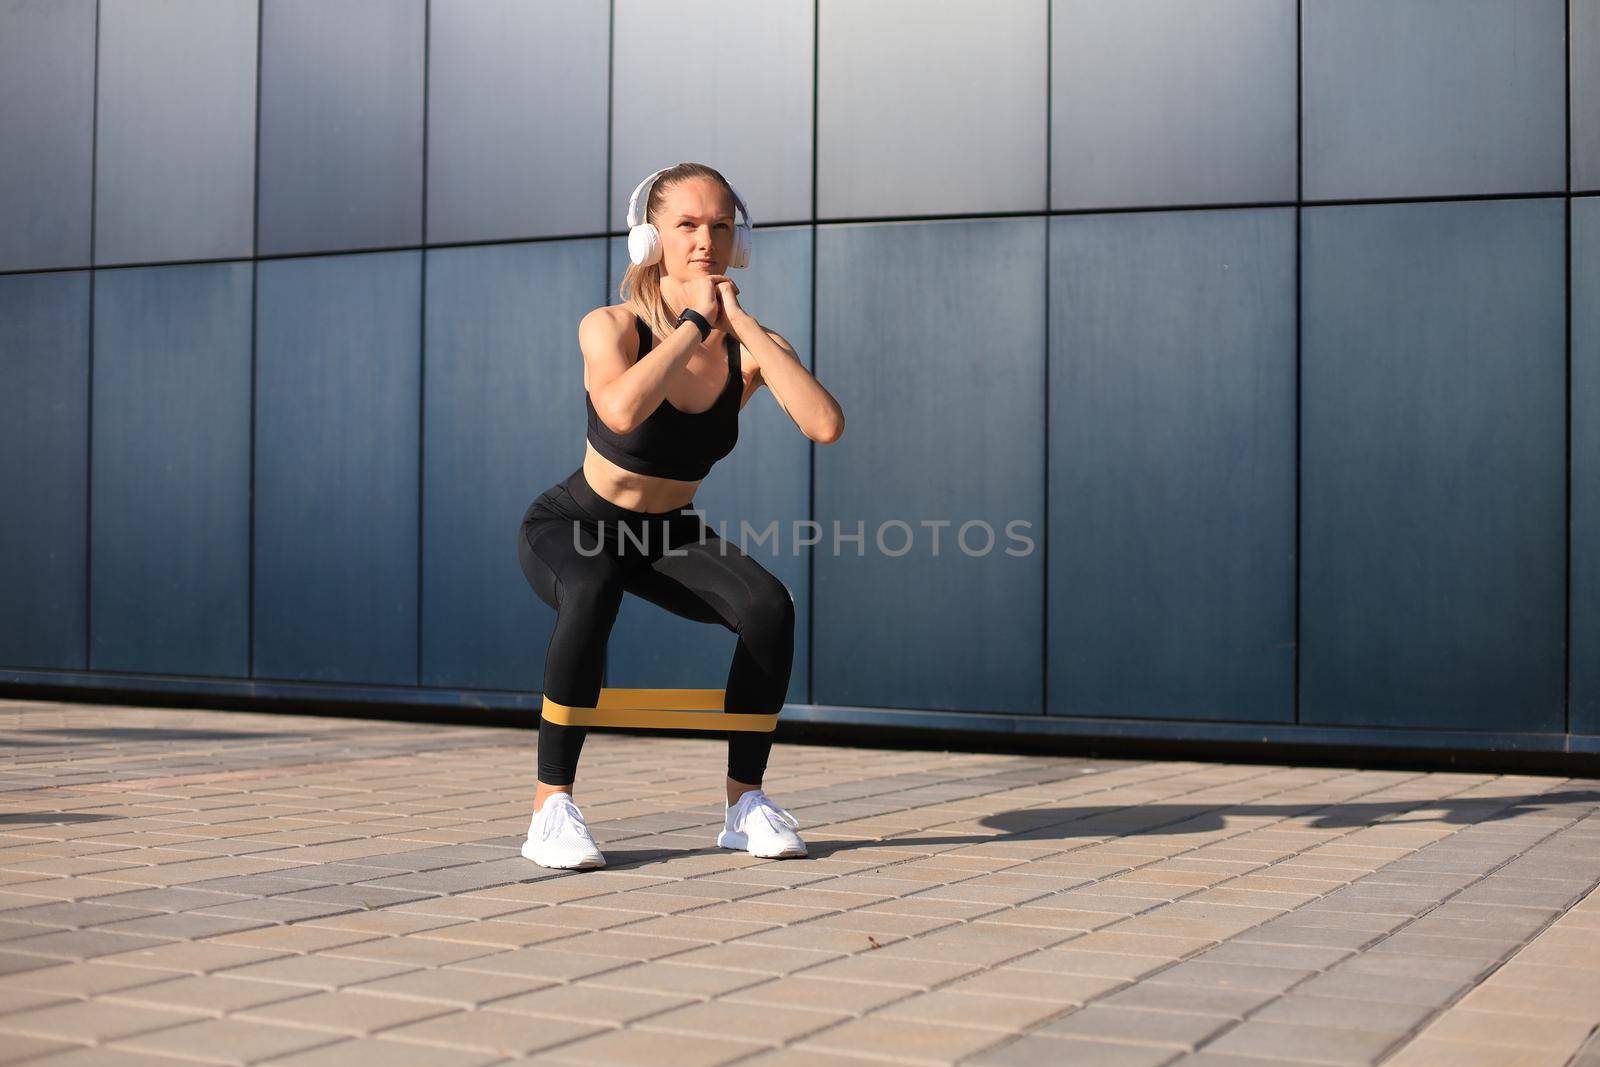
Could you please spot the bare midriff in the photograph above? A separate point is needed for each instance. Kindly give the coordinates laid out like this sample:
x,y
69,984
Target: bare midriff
x,y
637,492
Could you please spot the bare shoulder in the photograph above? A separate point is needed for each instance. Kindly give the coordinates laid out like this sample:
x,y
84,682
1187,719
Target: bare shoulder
x,y
608,342
607,324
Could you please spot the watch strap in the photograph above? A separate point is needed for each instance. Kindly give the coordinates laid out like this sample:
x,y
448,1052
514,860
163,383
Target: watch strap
x,y
699,320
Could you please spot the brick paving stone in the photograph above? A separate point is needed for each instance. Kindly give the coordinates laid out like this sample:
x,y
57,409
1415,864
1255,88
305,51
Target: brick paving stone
x,y
101,1056
904,1040
18,1048
591,1004
1311,1044
778,1024
954,1008
490,1031
794,1057
388,922
494,933
17,963
1300,957
1401,990
667,977
170,899
80,944
1137,1026
619,943
629,1047
1195,1000
13,1000
1053,987
954,950
80,979
539,962
1030,1051
193,957
86,1020
1396,965
315,972
413,951
77,914
1342,1013
1502,1028
762,959
466,906
275,910
1266,979
461,989
233,1041
387,1053
1099,964
1224,1059
873,968
209,994
181,926
1431,1052
295,938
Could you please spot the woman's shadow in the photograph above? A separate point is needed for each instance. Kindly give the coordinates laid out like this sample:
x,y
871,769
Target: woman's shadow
x,y
1046,826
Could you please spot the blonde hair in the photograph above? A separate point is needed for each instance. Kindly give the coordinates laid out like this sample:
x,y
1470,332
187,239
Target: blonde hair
x,y
641,286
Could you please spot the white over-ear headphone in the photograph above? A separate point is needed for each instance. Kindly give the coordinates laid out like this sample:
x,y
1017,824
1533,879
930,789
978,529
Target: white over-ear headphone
x,y
644,240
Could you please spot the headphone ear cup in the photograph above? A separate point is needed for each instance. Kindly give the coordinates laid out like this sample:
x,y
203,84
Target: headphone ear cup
x,y
740,256
644,244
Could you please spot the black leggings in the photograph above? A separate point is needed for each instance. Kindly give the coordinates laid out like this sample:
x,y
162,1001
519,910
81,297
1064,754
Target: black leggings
x,y
580,552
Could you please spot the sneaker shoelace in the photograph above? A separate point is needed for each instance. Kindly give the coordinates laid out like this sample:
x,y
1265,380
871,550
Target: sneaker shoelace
x,y
775,815
567,812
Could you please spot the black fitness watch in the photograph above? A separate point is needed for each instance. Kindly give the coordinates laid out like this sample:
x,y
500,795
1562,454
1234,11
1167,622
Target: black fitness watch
x,y
699,320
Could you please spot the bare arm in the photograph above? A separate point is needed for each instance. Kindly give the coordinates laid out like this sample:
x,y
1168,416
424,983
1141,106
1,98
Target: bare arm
x,y
801,396
623,388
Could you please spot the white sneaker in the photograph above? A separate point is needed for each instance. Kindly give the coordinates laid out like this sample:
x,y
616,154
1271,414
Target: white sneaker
x,y
761,828
558,836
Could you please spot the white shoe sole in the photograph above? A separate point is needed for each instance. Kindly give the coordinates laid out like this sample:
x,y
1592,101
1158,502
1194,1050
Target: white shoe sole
x,y
583,864
735,839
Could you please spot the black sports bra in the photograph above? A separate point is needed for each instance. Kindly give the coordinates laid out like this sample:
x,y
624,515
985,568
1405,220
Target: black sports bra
x,y
671,443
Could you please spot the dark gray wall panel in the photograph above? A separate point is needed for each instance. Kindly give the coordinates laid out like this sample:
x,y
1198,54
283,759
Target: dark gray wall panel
x,y
651,129
1172,424
175,170
1433,97
766,480
341,125
46,132
516,119
1433,465
1586,465
338,363
931,336
920,115
44,436
504,421
170,500
1585,29
1170,102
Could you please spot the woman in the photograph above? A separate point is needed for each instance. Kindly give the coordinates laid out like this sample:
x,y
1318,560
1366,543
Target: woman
x,y
666,373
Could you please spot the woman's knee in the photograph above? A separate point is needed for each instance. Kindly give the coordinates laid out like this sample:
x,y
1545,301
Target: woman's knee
x,y
593,584
769,611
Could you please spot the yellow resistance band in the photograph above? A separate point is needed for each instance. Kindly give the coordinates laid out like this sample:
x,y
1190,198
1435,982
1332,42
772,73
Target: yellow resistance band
x,y
661,709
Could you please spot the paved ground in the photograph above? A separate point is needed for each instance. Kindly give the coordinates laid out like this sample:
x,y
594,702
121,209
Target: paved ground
x,y
184,886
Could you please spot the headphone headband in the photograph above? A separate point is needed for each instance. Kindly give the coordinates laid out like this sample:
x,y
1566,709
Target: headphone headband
x,y
639,202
